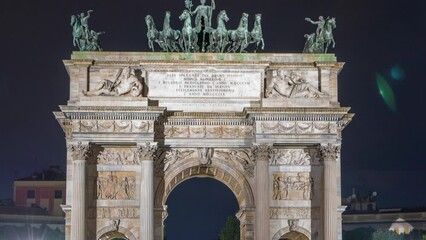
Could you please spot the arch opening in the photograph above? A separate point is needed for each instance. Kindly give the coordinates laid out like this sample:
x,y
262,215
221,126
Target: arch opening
x,y
198,209
294,235
113,235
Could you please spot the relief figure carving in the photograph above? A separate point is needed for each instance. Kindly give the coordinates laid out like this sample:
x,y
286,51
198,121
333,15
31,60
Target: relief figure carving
x,y
205,155
287,186
296,157
174,156
290,86
113,187
125,83
241,157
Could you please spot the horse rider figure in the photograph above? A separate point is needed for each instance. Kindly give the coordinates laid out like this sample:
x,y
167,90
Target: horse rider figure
x,y
84,21
320,28
204,12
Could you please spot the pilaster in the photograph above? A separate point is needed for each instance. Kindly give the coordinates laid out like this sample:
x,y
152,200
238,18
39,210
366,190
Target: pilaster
x,y
330,154
147,153
79,153
261,155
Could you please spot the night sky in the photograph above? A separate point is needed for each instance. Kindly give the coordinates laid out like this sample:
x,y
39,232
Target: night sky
x,y
383,147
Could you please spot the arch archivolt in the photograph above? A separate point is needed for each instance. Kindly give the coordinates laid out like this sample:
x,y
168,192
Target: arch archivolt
x,y
223,170
110,231
297,232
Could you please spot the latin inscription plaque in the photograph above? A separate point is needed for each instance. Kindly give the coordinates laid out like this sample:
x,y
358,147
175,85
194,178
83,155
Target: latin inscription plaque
x,y
205,84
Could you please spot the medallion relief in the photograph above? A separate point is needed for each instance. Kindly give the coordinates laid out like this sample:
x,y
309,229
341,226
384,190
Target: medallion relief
x,y
292,186
116,185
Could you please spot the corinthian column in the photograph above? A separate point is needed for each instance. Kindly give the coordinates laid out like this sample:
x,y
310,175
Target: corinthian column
x,y
261,155
330,153
147,154
78,208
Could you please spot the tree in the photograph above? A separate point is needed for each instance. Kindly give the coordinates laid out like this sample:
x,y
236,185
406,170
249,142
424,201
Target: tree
x,y
231,230
359,233
386,235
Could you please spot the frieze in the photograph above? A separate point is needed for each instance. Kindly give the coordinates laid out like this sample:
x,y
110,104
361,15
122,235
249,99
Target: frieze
x,y
292,186
113,126
118,156
116,185
208,131
110,212
295,157
239,156
299,127
293,213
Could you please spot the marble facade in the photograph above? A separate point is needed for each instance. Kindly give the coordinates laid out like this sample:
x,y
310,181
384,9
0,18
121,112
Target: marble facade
x,y
268,126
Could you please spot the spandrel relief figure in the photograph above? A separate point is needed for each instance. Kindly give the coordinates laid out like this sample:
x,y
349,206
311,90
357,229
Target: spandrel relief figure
x,y
125,83
290,86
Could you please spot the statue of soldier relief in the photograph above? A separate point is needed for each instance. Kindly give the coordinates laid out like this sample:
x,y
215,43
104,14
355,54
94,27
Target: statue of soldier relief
x,y
125,84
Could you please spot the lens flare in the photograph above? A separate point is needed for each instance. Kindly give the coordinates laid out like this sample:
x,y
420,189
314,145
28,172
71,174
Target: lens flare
x,y
386,91
397,73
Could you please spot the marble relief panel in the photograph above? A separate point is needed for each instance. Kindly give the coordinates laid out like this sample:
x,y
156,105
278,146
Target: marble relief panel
x,y
116,185
292,186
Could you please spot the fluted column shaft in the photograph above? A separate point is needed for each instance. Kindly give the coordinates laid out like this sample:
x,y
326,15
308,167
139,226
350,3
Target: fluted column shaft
x,y
262,153
147,154
330,154
78,207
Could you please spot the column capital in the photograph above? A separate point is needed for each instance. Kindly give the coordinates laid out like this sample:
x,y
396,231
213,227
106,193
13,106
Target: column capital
x,y
330,152
147,151
261,151
79,151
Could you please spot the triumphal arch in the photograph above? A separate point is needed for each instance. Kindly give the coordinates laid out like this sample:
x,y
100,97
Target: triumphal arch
x,y
268,126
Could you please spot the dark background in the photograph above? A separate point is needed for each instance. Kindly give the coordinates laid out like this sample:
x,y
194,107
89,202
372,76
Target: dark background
x,y
383,149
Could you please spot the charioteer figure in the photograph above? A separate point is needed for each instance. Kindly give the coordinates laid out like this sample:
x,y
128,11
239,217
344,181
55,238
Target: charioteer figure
x,y
203,13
